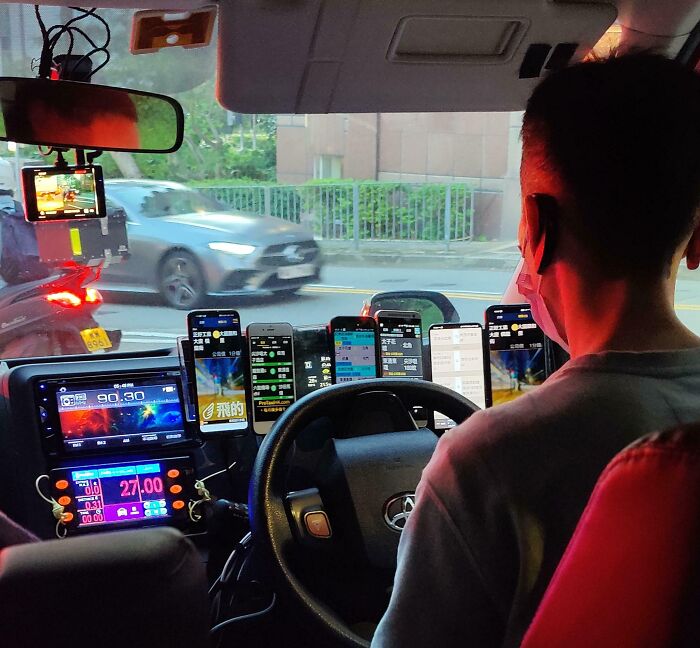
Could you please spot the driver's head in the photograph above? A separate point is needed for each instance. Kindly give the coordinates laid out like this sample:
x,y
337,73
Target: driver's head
x,y
610,175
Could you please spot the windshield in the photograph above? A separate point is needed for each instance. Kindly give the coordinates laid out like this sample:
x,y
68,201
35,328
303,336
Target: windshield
x,y
286,218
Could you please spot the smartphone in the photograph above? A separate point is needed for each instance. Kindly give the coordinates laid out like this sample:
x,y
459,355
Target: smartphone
x,y
312,359
516,351
219,382
354,344
400,344
459,361
271,353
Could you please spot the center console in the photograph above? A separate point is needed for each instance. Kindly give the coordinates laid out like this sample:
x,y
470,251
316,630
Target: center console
x,y
111,436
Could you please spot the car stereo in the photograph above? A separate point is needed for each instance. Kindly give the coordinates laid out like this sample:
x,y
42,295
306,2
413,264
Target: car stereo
x,y
97,414
124,494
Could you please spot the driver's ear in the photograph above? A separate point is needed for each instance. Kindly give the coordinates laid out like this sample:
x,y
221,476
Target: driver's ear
x,y
692,251
541,213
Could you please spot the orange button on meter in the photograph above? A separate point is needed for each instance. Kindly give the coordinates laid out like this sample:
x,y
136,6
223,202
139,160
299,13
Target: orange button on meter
x,y
67,517
64,500
175,489
62,484
173,473
178,504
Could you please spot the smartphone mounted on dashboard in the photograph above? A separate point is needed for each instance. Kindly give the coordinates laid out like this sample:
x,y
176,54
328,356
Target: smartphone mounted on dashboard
x,y
459,361
516,351
354,348
312,359
400,344
218,353
272,383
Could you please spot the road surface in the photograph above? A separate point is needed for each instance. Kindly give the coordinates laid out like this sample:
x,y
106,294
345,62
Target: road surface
x,y
147,324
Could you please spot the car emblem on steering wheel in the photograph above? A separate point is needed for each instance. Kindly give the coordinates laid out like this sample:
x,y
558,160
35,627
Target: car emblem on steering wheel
x,y
398,509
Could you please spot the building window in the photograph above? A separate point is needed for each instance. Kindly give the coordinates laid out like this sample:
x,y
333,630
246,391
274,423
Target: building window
x,y
328,167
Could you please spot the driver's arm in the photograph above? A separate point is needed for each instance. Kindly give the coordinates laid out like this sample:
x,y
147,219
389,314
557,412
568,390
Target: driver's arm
x,y
457,560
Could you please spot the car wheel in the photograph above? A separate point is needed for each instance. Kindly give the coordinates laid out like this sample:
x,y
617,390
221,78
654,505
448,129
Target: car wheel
x,y
181,280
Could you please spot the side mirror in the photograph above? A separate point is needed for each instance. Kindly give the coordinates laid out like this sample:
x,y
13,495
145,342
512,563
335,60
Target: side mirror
x,y
434,307
69,114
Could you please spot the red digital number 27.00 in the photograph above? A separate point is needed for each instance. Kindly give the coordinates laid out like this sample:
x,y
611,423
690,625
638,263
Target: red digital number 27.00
x,y
129,487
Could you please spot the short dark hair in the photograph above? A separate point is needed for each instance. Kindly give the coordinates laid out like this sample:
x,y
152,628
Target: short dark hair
x,y
623,137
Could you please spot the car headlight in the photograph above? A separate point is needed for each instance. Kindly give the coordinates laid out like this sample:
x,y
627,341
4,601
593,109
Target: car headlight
x,y
232,248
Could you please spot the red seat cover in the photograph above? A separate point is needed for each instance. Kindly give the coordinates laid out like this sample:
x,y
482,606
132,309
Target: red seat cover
x,y
629,571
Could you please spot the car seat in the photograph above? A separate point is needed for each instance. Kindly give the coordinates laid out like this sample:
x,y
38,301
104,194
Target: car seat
x,y
629,577
145,587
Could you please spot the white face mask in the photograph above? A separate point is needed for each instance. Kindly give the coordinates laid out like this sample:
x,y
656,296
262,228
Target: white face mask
x,y
526,285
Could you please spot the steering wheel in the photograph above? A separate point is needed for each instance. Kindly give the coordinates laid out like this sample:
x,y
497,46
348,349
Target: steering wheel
x,y
371,491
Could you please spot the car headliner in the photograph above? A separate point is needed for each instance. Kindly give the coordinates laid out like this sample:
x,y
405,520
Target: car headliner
x,y
662,25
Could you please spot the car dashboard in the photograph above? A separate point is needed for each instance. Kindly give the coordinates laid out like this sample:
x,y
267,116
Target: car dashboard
x,y
120,477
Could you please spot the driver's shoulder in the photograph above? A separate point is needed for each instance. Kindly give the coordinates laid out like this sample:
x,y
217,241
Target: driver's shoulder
x,y
522,434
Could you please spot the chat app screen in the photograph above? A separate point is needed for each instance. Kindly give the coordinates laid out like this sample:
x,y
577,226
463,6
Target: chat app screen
x,y
355,355
457,359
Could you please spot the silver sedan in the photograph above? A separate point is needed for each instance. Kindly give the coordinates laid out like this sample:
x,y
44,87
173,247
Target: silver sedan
x,y
186,246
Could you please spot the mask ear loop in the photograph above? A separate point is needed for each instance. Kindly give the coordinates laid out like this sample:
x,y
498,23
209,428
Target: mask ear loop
x,y
548,210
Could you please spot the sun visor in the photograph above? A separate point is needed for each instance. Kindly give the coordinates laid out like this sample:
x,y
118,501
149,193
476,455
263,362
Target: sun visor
x,y
319,56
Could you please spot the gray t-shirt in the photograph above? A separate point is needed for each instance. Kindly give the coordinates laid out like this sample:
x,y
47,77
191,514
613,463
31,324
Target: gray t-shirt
x,y
501,497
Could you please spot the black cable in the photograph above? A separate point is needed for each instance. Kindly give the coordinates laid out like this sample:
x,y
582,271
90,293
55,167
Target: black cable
x,y
244,617
53,35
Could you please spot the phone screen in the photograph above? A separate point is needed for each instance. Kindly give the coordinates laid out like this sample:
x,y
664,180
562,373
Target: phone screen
x,y
355,348
63,193
458,360
271,374
312,360
516,350
401,345
217,346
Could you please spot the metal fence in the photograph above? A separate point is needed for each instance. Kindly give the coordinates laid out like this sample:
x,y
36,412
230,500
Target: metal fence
x,y
367,211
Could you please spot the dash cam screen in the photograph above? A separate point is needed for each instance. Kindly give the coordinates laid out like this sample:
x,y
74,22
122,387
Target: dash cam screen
x,y
63,194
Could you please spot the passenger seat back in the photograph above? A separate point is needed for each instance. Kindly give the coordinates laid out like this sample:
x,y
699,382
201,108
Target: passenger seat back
x,y
113,590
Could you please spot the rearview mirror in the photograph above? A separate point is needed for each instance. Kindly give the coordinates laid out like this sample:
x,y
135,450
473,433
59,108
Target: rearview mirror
x,y
69,114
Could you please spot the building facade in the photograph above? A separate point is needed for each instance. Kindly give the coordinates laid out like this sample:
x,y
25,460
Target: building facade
x,y
480,149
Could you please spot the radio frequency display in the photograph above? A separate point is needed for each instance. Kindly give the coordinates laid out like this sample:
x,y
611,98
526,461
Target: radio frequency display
x,y
121,415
